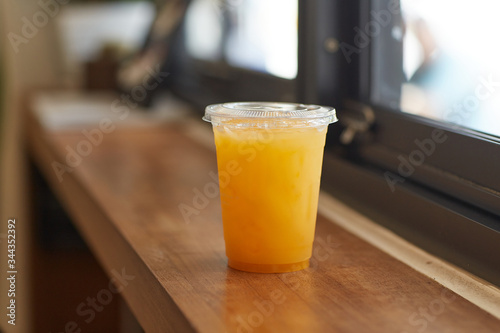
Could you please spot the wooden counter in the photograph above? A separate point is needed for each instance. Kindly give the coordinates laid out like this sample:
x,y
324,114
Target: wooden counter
x,y
124,198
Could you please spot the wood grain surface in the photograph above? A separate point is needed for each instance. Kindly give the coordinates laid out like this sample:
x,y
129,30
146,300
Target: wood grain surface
x,y
124,198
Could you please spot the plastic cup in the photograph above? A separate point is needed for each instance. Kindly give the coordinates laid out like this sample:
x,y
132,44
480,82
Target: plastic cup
x,y
269,158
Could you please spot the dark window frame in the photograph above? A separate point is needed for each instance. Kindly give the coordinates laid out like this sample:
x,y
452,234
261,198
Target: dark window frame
x,y
202,82
450,204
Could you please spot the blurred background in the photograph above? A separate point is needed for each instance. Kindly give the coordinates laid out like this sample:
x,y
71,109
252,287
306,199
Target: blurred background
x,y
107,48
432,63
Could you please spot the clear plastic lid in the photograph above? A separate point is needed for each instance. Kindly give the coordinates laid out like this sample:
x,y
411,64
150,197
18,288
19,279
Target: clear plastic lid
x,y
269,115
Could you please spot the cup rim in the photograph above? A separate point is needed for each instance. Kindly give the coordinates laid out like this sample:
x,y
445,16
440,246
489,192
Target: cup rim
x,y
268,114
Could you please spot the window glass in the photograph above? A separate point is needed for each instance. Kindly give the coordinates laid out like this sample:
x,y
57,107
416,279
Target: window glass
x,y
450,62
258,35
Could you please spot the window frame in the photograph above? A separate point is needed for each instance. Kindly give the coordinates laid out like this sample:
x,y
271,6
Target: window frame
x,y
449,205
202,82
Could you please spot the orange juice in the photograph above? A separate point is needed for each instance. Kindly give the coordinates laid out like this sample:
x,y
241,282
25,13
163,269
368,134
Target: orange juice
x,y
269,157
269,203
